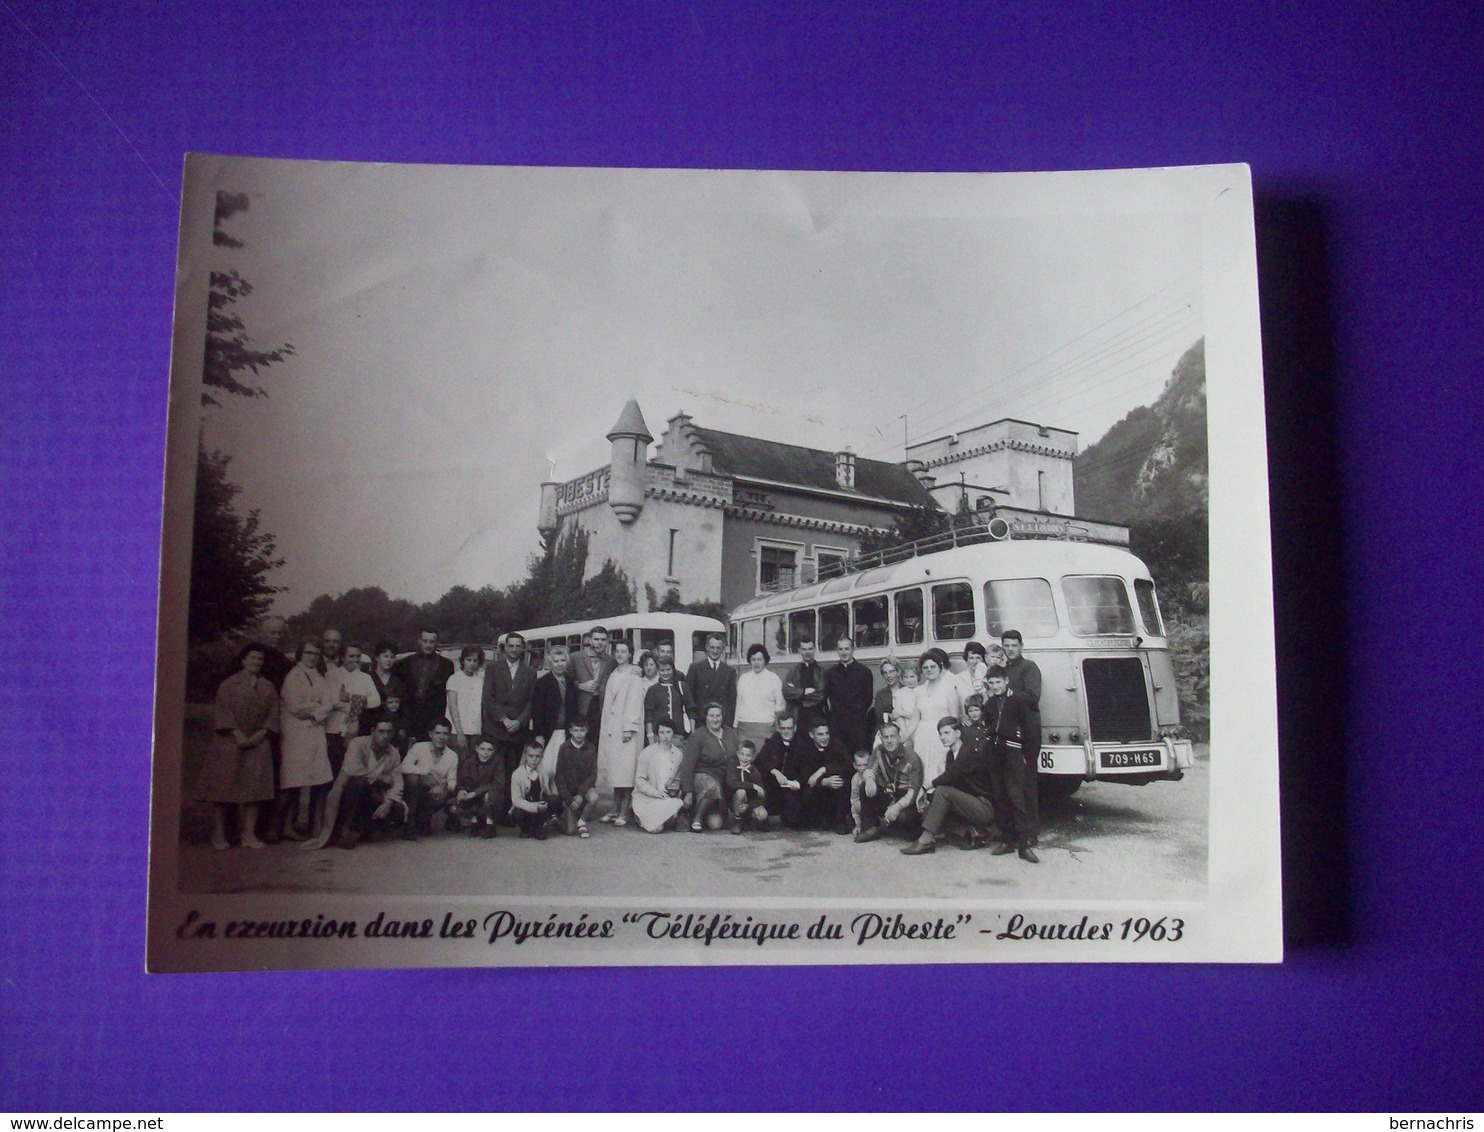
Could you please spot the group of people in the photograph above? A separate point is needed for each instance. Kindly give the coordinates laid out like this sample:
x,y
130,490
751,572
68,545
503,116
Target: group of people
x,y
333,745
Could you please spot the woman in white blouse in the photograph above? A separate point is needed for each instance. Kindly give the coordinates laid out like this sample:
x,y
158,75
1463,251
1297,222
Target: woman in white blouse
x,y
759,699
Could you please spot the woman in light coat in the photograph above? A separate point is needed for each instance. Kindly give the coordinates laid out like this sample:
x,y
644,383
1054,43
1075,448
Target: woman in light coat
x,y
306,764
622,733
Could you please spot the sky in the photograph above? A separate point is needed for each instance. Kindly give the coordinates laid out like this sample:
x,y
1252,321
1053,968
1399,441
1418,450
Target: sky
x,y
462,334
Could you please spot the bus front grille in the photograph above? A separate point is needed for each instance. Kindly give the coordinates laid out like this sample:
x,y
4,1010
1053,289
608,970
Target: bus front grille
x,y
1117,700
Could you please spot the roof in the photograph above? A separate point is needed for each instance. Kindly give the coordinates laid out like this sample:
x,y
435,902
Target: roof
x,y
630,423
751,458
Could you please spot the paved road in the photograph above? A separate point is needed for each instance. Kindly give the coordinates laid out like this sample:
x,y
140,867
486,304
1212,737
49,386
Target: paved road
x,y
1107,842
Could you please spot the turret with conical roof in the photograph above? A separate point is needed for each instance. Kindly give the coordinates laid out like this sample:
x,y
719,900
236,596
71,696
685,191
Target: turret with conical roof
x,y
630,439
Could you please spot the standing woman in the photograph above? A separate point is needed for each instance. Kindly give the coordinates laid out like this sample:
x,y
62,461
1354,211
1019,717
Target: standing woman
x,y
884,705
238,771
649,665
759,699
387,684
937,698
622,731
306,705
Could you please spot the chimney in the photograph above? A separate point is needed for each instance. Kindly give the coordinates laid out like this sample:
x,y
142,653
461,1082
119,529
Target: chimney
x,y
546,521
845,468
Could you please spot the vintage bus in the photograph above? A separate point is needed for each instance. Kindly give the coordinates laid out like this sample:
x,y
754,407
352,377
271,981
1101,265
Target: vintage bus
x,y
643,631
1087,611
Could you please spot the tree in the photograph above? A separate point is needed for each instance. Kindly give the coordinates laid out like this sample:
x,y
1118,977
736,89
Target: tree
x,y
671,603
554,591
231,558
229,349
919,522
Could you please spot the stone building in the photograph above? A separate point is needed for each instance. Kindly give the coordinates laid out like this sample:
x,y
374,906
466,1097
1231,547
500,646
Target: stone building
x,y
716,516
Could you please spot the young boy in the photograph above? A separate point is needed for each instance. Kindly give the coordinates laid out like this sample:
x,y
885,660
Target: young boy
x,y
576,779
481,792
860,765
747,788
974,732
391,710
528,805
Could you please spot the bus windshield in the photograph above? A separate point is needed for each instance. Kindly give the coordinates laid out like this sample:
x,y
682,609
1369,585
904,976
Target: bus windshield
x,y
1098,606
1019,603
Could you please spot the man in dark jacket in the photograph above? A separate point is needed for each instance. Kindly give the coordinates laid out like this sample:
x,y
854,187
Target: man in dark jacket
x,y
424,674
554,697
712,680
804,689
776,753
1025,684
816,793
506,710
848,692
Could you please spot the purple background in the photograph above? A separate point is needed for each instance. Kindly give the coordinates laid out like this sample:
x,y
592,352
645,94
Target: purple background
x,y
1362,126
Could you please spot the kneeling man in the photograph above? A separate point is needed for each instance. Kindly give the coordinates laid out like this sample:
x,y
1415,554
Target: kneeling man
x,y
430,776
364,797
890,787
965,789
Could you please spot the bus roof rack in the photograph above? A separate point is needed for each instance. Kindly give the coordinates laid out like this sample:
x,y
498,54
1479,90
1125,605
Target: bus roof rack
x,y
996,530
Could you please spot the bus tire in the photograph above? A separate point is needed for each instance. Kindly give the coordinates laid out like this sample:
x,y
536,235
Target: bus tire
x,y
1056,787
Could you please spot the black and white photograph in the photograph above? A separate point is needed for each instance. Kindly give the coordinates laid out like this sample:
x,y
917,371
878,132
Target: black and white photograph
x,y
624,566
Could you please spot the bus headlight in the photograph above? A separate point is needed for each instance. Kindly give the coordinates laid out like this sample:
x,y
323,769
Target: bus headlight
x,y
1075,736
1054,737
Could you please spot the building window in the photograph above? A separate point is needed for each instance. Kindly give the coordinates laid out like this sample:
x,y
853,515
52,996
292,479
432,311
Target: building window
x,y
777,568
1040,491
670,566
830,562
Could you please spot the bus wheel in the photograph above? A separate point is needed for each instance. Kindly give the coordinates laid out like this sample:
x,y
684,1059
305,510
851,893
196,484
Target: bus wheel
x,y
1056,788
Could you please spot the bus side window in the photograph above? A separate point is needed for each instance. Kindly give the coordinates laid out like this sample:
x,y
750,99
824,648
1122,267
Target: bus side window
x,y
800,626
908,605
870,622
651,639
773,633
1148,607
953,611
834,623
752,634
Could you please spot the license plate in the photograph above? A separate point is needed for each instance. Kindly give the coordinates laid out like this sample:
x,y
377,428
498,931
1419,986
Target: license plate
x,y
1114,760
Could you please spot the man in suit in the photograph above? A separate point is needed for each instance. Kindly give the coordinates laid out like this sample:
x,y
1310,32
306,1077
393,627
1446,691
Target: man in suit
x,y
710,680
505,711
